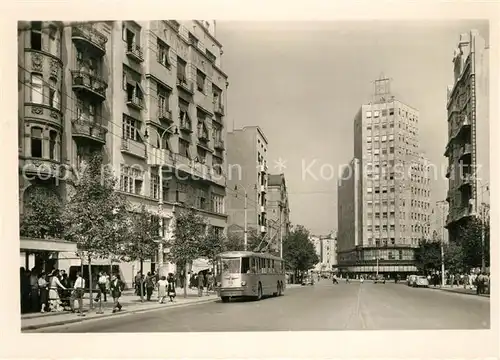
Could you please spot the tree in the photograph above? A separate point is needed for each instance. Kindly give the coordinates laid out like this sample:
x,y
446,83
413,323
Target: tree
x,y
189,233
257,241
470,240
42,214
95,215
211,245
454,257
298,252
142,238
234,242
428,256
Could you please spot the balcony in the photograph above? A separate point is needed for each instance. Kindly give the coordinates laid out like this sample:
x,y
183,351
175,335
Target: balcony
x,y
89,84
465,150
186,127
183,163
42,167
263,188
448,171
219,144
134,148
466,180
135,103
262,168
203,137
461,124
159,157
135,53
185,84
263,228
262,209
165,115
85,129
88,37
219,108
202,171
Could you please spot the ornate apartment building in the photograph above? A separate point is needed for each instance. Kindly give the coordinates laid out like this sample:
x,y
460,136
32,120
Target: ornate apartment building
x,y
278,208
149,95
467,149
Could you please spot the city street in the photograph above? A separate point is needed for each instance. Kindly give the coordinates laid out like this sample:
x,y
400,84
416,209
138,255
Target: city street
x,y
323,306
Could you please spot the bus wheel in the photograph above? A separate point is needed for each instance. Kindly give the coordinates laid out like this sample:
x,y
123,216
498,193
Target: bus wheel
x,y
225,299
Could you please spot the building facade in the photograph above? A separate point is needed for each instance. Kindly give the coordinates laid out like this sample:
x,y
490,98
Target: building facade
x,y
278,208
439,214
329,252
149,95
247,157
467,149
390,214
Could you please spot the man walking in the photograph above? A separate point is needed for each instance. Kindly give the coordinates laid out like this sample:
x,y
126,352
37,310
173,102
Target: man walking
x,y
77,294
102,286
116,287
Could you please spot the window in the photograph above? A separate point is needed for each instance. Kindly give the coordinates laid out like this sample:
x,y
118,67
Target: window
x,y
368,128
384,112
53,41
210,56
184,148
130,128
163,51
391,111
131,179
376,114
181,69
154,184
165,191
36,35
200,81
162,101
124,80
36,89
130,39
54,95
134,94
36,142
368,114
52,145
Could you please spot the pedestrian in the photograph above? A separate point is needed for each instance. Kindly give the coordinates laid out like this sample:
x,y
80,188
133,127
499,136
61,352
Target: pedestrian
x,y
347,279
34,292
171,287
149,286
101,283
188,279
116,287
65,294
162,289
361,279
200,283
137,283
44,291
54,285
210,282
334,279
77,295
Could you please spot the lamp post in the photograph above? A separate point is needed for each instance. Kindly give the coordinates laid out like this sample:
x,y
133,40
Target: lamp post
x,y
160,190
245,236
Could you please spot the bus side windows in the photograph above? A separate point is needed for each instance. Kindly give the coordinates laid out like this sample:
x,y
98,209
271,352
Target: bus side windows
x,y
245,265
272,268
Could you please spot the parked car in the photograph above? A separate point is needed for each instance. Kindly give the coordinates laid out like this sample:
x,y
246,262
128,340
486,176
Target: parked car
x,y
308,280
379,279
421,282
412,280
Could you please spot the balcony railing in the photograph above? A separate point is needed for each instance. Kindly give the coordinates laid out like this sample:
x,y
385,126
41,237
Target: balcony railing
x,y
185,84
135,102
85,34
465,150
263,188
219,144
157,157
90,130
92,85
134,148
164,114
219,108
203,137
135,52
186,127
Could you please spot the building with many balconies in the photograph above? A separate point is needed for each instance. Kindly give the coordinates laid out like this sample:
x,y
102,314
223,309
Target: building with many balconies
x,y
278,209
149,95
467,149
247,177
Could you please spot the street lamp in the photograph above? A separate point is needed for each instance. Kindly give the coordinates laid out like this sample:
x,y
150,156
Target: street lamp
x,y
245,236
482,217
160,189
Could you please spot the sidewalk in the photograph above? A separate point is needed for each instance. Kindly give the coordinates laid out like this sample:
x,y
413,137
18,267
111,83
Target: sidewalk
x,y
131,304
458,290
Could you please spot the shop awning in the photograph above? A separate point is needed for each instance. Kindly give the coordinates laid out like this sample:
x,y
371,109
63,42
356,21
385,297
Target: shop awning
x,y
200,265
55,245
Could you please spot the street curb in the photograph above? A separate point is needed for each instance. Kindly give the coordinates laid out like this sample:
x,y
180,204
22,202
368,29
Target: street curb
x,y
105,316
460,292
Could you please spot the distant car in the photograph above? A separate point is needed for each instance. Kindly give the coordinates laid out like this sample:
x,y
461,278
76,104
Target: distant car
x,y
412,280
308,280
379,279
421,282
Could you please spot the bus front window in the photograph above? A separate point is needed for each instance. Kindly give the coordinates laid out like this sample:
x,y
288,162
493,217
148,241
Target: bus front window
x,y
230,266
245,265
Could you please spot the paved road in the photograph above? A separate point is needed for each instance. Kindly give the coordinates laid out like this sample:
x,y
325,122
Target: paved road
x,y
320,307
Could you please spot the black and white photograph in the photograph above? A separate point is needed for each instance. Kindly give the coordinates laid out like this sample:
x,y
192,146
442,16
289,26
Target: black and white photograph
x,y
244,176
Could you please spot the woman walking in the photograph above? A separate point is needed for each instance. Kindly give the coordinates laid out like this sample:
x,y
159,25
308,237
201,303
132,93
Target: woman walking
x,y
162,289
116,287
54,285
171,287
44,292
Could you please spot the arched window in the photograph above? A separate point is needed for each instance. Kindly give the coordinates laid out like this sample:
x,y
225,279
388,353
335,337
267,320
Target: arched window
x,y
36,142
52,145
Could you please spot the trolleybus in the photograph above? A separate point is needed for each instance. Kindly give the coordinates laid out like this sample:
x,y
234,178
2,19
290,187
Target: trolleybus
x,y
249,274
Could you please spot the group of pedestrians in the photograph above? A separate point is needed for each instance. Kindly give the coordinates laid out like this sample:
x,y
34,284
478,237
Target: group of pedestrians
x,y
146,285
479,280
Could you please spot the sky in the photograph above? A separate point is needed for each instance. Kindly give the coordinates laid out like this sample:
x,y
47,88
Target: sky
x,y
303,82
